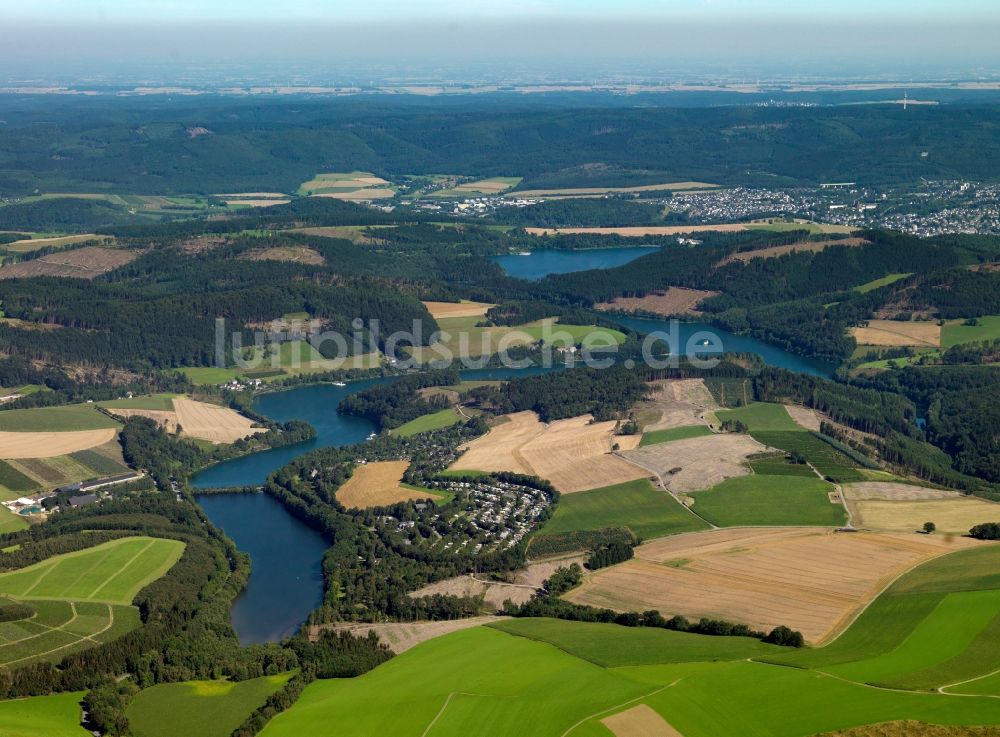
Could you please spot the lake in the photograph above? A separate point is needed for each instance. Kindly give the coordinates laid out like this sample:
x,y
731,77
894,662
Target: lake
x,y
540,264
286,578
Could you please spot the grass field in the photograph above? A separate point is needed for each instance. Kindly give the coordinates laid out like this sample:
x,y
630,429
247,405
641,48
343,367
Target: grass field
x,y
10,522
828,460
13,480
674,433
780,466
877,283
487,682
637,505
162,402
614,647
69,418
770,500
761,417
43,716
112,573
955,332
199,708
433,421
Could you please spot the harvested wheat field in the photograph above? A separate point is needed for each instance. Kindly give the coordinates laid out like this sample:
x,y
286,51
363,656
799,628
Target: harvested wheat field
x,y
378,485
162,417
573,454
675,301
775,251
17,445
291,254
810,579
898,333
956,515
88,262
676,403
697,463
256,203
639,721
804,417
212,423
457,309
358,195
401,636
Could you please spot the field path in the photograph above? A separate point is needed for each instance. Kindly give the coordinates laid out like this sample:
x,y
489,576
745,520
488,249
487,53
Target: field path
x,y
619,706
91,636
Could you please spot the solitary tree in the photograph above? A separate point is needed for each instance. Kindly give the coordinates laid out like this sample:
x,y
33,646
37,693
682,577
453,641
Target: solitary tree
x,y
929,527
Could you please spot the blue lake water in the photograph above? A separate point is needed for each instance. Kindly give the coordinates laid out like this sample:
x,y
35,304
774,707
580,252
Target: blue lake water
x,y
540,264
286,578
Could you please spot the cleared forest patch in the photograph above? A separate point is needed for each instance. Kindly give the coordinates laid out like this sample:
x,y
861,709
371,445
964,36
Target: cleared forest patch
x,y
697,463
674,301
88,262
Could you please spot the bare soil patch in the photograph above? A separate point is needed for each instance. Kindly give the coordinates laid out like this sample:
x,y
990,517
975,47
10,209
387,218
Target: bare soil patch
x,y
804,417
51,444
898,333
378,485
574,454
88,262
293,254
457,309
675,301
639,721
527,582
810,579
895,492
697,463
401,636
676,403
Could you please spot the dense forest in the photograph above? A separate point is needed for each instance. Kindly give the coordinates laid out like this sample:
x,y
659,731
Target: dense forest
x,y
137,145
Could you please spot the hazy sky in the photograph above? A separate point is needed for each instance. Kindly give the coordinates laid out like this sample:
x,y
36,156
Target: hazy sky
x,y
332,10
786,37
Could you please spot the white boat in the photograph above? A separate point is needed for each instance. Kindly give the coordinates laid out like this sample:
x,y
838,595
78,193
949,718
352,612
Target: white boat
x,y
373,436
338,383
524,253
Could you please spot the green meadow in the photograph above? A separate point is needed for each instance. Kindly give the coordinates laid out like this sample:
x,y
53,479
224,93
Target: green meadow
x,y
55,419
560,679
199,708
956,332
770,500
882,282
426,423
674,433
113,572
637,505
43,716
161,402
761,417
